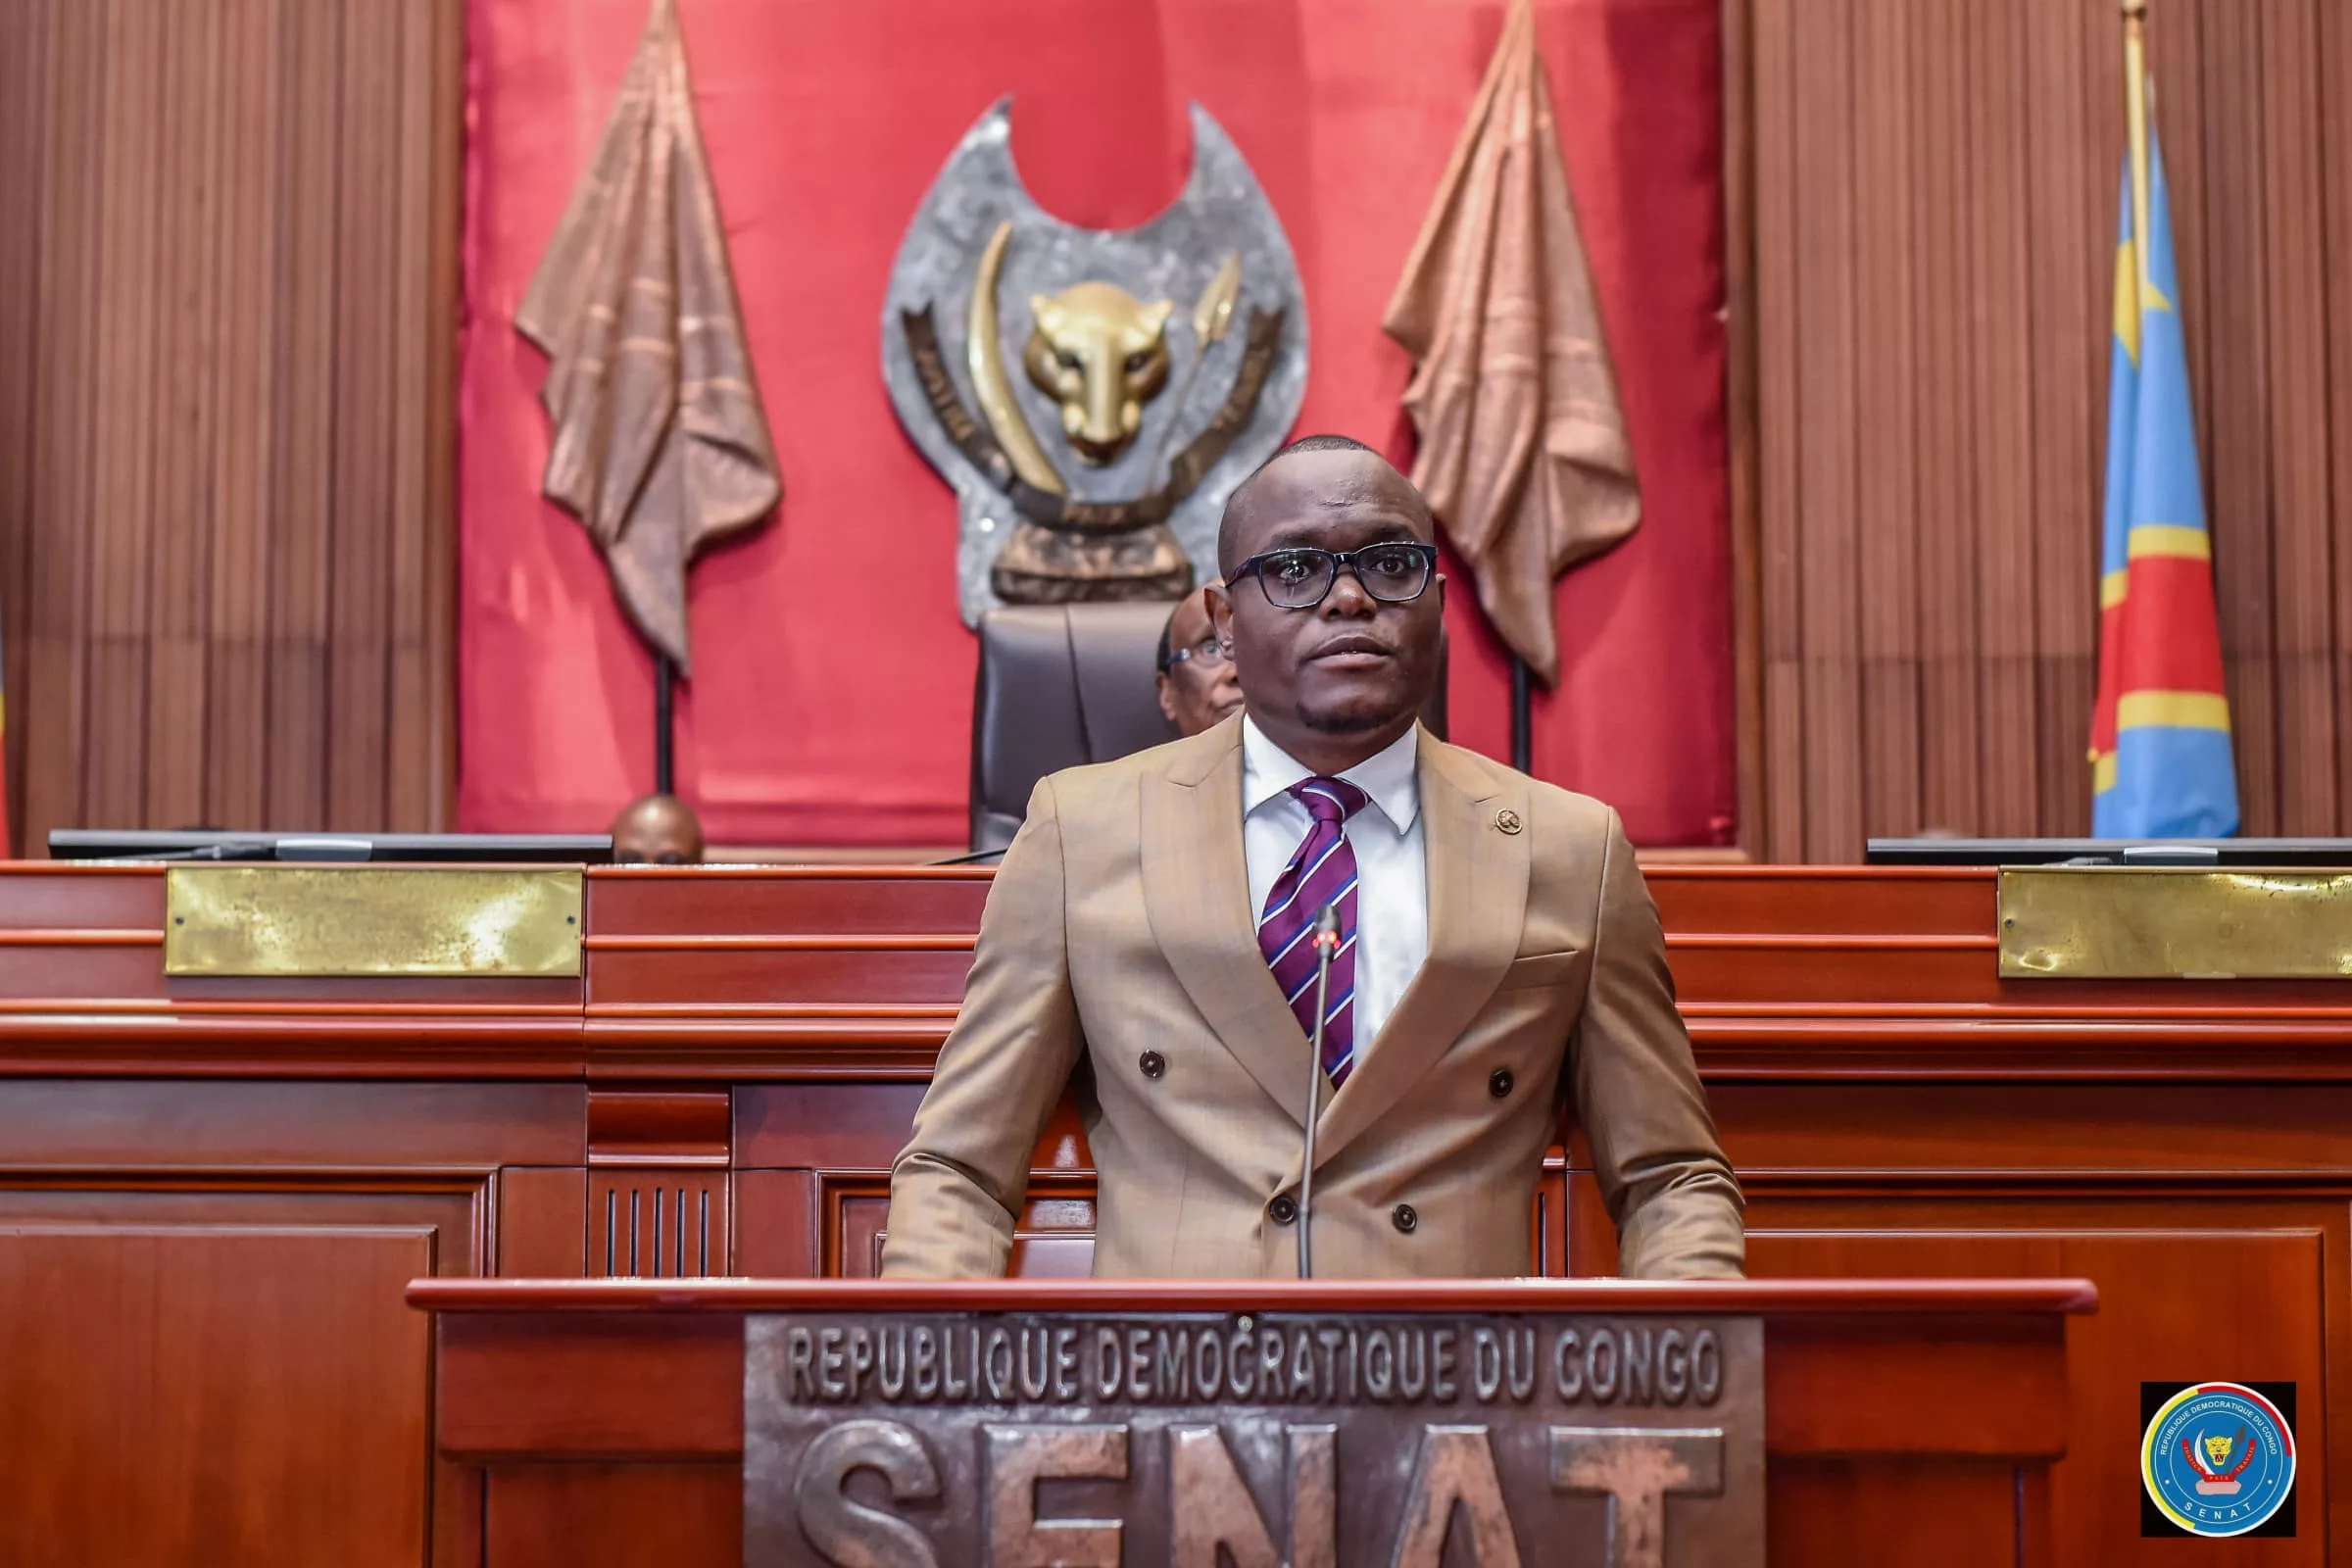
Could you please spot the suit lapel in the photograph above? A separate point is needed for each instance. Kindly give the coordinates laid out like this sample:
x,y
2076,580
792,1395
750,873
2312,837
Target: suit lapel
x,y
1477,908
1197,896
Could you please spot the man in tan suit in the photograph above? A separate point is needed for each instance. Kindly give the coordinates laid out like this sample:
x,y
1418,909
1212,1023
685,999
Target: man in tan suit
x,y
1148,937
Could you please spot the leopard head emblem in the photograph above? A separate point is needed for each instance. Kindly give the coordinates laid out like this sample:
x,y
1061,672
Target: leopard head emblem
x,y
1102,354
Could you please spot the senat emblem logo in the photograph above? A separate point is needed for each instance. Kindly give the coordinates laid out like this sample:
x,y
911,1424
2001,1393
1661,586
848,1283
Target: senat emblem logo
x,y
2218,1458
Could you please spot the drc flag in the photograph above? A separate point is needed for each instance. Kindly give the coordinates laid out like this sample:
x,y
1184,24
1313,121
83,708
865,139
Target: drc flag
x,y
2161,765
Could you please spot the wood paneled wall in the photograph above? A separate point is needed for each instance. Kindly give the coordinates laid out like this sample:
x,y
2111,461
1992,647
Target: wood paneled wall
x,y
1933,188
226,329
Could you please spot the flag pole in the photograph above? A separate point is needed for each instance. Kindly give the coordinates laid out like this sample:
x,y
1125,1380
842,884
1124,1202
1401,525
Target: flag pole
x,y
663,674
1523,739
2136,92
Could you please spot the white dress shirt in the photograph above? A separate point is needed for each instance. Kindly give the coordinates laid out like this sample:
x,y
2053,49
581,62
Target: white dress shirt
x,y
1391,886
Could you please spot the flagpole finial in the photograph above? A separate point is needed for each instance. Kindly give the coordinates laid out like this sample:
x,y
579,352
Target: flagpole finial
x,y
2135,98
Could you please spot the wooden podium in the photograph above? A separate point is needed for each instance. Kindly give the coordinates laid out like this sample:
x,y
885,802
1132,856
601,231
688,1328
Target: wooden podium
x,y
1905,1423
244,1173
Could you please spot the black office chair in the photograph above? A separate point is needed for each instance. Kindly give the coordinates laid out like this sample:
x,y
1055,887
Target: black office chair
x,y
1063,685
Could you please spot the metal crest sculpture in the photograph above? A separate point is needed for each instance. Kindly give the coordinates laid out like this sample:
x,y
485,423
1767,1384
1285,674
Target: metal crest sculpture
x,y
1091,395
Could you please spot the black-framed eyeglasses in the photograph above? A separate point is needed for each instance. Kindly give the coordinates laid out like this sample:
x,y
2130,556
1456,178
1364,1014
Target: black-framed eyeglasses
x,y
1205,654
1392,571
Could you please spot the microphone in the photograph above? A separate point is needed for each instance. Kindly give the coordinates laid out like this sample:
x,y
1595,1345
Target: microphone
x,y
1327,946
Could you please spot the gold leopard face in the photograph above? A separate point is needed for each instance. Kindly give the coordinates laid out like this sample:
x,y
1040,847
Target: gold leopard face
x,y
1102,354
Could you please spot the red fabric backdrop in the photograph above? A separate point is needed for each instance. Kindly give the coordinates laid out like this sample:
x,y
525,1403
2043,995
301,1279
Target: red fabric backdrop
x,y
832,695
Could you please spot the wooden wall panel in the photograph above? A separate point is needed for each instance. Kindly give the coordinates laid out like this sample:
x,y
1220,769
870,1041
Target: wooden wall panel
x,y
2070,277
592,1516
134,1361
2260,1316
542,1223
1934,209
227,337
1943,510
2335,53
1885,303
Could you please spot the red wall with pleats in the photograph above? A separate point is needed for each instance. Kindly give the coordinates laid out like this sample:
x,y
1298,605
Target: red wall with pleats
x,y
831,698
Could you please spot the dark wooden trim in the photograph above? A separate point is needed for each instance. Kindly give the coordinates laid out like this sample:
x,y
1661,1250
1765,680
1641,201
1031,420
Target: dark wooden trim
x,y
847,872
1846,974
659,1126
1929,875
931,942
1739,417
723,1011
370,1012
80,939
1823,942
1775,1297
444,312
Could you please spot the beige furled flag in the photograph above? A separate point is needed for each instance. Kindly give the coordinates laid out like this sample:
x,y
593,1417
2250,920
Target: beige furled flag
x,y
1523,450
660,444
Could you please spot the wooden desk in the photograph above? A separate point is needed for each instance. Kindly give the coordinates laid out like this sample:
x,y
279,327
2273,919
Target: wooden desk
x,y
1909,1424
245,1173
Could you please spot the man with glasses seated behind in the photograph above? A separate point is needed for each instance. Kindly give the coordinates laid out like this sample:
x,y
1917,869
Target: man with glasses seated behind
x,y
1499,965
1197,684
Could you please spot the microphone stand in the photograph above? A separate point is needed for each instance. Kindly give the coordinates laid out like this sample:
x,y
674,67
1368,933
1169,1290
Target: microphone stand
x,y
1327,946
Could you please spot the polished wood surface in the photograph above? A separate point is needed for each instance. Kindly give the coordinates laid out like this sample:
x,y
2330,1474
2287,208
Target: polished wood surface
x,y
228,346
1894,1108
609,1416
299,1445
1791,1298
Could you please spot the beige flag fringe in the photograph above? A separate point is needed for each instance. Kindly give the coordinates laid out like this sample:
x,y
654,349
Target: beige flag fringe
x,y
660,443
1523,451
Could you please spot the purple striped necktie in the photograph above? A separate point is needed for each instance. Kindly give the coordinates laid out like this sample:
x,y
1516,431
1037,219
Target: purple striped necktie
x,y
1322,871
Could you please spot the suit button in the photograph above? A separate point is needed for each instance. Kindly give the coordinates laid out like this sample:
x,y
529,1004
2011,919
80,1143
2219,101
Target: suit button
x,y
1153,1063
1501,1084
1404,1218
1284,1210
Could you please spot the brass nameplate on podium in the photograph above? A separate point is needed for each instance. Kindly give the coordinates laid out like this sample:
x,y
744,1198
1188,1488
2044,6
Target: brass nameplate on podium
x,y
286,920
2103,922
1272,1441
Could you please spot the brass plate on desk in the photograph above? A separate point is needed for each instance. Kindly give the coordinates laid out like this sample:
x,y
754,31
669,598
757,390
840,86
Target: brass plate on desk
x,y
365,920
2174,923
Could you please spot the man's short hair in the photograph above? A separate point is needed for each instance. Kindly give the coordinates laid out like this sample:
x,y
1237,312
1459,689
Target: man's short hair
x,y
1311,443
1305,443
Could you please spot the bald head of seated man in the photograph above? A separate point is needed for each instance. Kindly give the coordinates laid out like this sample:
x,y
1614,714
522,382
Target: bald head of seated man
x,y
1197,687
657,830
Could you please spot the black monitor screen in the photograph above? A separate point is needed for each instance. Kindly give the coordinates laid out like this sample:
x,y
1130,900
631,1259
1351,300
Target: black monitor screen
x,y
2277,853
562,848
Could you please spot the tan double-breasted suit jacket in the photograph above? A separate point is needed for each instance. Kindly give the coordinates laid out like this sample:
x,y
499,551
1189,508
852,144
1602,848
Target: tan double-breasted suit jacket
x,y
1120,948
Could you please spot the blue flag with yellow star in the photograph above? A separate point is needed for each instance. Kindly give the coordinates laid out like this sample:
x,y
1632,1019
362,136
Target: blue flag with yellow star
x,y
2161,761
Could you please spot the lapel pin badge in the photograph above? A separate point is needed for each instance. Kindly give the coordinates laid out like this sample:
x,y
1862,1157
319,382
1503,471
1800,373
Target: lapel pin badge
x,y
1507,820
